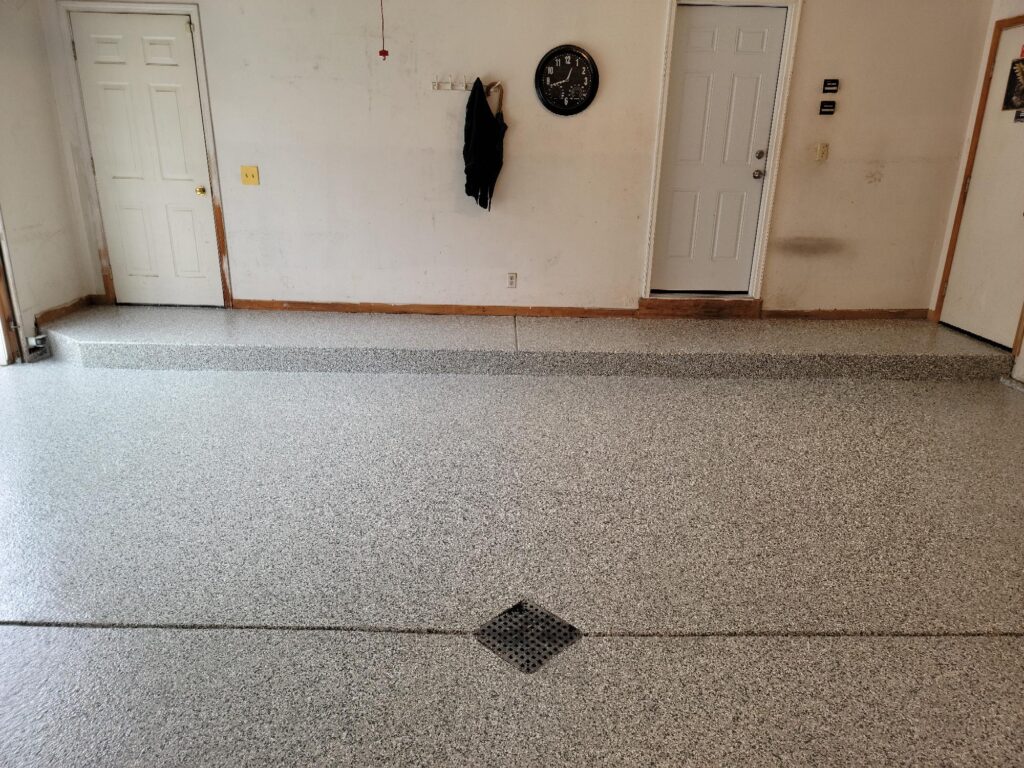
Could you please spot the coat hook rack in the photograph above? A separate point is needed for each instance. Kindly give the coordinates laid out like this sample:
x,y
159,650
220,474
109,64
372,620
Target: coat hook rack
x,y
451,84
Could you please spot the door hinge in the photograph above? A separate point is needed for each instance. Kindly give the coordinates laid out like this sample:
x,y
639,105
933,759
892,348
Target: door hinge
x,y
13,325
74,50
92,162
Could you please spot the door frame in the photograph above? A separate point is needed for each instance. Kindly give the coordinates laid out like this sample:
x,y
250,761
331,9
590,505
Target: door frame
x,y
793,10
965,182
81,126
10,312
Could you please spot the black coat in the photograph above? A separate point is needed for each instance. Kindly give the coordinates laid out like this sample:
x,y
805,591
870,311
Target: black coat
x,y
483,152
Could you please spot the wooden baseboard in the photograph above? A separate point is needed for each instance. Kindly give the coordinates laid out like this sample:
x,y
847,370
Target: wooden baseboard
x,y
700,308
848,314
53,314
430,309
648,308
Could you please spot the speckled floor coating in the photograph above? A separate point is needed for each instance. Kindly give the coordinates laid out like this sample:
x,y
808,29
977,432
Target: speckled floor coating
x,y
908,337
644,511
228,698
623,505
163,338
239,327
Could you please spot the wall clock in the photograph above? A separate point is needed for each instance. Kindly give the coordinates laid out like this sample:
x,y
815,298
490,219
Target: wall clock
x,y
566,80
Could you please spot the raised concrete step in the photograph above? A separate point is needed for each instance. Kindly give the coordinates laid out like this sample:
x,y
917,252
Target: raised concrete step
x,y
239,340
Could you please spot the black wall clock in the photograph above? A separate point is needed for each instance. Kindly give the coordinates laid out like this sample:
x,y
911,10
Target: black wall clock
x,y
566,80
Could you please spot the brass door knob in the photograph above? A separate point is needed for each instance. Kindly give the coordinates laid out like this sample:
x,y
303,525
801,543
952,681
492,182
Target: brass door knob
x,y
201,191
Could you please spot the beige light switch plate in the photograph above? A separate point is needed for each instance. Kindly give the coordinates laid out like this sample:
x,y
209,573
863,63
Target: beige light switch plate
x,y
251,174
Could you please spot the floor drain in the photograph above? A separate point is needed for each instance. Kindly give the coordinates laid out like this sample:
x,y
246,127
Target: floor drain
x,y
526,636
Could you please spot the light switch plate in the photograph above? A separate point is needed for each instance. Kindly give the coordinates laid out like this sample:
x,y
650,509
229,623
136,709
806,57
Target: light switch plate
x,y
251,174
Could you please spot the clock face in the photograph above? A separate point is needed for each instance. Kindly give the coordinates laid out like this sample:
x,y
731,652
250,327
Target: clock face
x,y
566,80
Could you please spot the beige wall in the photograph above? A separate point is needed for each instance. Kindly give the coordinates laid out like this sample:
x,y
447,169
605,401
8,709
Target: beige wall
x,y
362,183
865,229
34,190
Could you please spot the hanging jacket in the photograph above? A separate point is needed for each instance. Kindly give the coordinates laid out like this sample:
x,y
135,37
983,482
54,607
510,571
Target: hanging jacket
x,y
483,151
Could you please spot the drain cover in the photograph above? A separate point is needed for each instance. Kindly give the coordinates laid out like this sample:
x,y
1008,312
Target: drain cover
x,y
526,636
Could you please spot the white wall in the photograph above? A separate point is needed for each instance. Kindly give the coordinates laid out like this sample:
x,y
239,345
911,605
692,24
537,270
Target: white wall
x,y
362,177
40,230
361,161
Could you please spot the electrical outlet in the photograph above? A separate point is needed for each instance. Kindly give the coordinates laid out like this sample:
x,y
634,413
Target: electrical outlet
x,y
513,279
821,152
251,175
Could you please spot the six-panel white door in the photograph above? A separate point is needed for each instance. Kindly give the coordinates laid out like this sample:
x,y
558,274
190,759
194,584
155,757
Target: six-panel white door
x,y
722,86
986,284
141,94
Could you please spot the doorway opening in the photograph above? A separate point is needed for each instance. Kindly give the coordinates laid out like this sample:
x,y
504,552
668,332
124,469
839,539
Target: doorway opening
x,y
727,73
982,288
144,114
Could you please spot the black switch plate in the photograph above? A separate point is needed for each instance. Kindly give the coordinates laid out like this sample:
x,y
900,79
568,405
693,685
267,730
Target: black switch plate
x,y
830,86
827,108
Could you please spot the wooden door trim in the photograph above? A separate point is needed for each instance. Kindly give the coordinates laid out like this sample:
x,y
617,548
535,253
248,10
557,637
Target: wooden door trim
x,y
80,130
1018,341
986,89
12,339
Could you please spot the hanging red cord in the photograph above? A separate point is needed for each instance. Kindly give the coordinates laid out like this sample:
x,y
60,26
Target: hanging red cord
x,y
383,52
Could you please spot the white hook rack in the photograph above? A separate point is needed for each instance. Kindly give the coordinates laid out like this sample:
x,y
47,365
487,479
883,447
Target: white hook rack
x,y
451,84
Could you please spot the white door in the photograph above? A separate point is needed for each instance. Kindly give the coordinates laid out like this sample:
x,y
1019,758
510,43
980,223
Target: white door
x,y
986,284
141,93
722,85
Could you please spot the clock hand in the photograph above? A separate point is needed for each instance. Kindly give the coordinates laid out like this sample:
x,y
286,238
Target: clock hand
x,y
567,78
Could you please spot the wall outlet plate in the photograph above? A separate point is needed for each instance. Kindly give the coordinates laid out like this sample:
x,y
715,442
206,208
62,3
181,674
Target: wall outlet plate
x,y
513,279
251,175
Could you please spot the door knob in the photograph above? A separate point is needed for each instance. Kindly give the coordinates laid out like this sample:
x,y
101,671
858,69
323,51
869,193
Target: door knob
x,y
758,174
201,191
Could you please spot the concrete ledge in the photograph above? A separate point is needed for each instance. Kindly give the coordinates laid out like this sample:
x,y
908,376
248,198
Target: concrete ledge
x,y
497,362
182,339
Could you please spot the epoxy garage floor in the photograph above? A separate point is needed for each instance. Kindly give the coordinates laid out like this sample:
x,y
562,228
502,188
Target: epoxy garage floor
x,y
236,568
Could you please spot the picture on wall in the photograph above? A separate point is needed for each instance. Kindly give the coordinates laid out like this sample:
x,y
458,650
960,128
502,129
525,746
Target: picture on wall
x,y
1014,98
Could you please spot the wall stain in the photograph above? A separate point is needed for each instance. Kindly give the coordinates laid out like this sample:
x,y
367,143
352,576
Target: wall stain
x,y
810,246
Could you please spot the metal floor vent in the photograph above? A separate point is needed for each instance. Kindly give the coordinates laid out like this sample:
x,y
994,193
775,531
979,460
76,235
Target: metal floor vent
x,y
526,636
